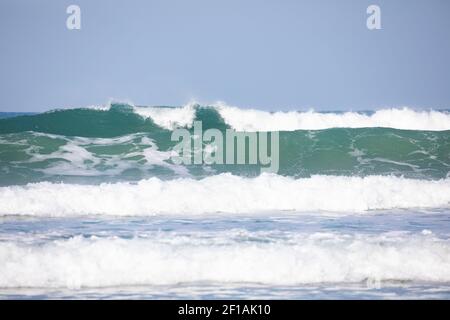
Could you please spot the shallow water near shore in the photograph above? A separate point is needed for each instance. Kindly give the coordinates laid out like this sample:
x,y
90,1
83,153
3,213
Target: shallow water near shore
x,y
263,256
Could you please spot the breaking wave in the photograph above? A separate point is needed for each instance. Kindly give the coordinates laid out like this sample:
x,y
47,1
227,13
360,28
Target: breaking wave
x,y
225,193
313,258
117,119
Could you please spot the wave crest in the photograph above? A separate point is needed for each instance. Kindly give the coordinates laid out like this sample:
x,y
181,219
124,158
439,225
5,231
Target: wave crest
x,y
225,193
316,258
402,118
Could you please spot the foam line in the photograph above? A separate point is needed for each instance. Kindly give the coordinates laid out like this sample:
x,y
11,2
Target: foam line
x,y
315,258
225,193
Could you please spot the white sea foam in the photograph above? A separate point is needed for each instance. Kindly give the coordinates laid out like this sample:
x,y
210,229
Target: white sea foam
x,y
258,120
400,118
74,157
314,258
225,193
165,117
169,118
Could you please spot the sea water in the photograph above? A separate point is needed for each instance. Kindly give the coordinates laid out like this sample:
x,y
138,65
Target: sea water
x,y
92,207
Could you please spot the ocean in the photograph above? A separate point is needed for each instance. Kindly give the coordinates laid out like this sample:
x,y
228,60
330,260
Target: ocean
x,y
93,207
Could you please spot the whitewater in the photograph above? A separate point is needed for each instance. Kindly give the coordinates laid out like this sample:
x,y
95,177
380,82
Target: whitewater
x,y
225,193
257,120
91,206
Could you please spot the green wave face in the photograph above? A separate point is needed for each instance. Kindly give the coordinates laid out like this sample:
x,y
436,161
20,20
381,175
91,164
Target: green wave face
x,y
118,120
92,146
366,151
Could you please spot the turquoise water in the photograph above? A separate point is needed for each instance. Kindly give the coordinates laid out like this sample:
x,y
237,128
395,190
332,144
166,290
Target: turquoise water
x,y
94,146
91,206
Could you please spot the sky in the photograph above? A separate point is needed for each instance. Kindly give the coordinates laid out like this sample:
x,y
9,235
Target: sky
x,y
270,55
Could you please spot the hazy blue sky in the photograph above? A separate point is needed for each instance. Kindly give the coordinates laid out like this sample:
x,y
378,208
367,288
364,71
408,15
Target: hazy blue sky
x,y
275,54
